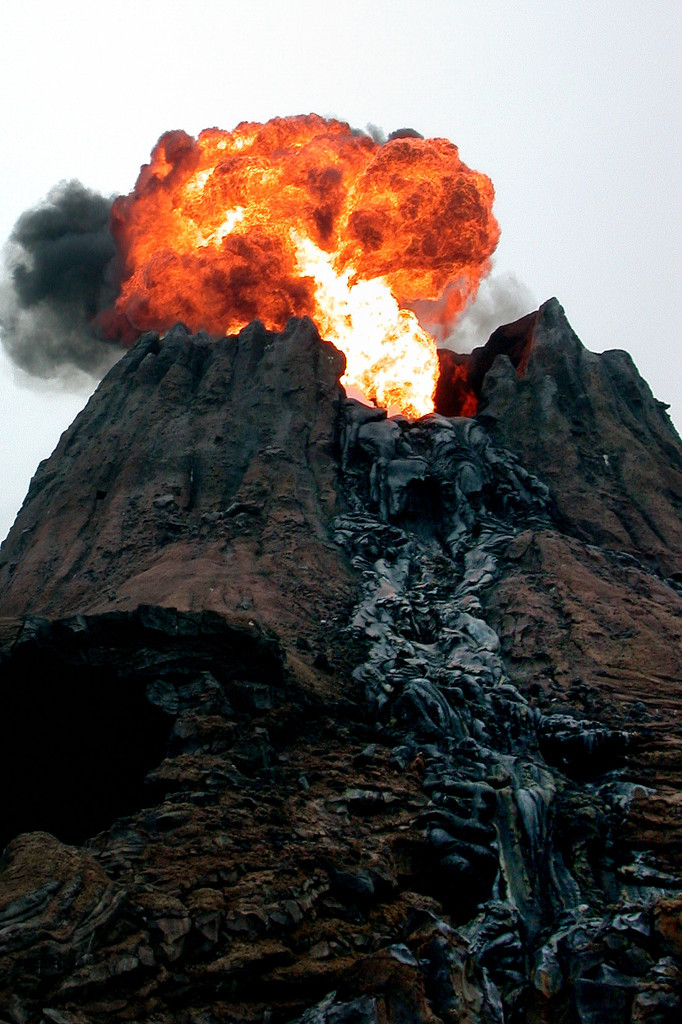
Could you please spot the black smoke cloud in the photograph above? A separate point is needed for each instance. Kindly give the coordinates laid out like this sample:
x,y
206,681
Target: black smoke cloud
x,y
58,272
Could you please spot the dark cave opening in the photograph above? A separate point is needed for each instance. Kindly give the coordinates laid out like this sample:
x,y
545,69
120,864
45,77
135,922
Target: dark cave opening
x,y
76,742
79,731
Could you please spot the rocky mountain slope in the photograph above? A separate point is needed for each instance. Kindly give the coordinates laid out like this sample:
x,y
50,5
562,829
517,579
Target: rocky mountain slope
x,y
589,425
312,714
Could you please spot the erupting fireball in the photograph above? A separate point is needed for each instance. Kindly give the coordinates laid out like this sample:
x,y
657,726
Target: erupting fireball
x,y
303,216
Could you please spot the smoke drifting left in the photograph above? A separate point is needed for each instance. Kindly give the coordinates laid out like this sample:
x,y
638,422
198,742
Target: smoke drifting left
x,y
58,272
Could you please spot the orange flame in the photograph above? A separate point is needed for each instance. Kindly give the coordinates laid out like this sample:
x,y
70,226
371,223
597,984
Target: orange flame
x,y
303,216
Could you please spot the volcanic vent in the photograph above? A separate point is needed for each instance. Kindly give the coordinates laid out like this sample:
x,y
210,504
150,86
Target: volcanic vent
x,y
305,216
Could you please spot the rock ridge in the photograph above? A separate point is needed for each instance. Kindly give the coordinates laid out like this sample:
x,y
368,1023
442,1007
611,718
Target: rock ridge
x,y
590,427
216,456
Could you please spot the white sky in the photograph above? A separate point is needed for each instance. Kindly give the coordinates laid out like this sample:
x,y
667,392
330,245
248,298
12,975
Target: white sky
x,y
573,107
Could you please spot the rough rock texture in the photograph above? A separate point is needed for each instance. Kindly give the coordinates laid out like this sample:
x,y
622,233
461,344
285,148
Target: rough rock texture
x,y
216,456
590,427
415,756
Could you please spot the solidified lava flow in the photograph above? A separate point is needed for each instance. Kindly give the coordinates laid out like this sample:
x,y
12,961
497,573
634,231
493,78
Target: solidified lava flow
x,y
304,216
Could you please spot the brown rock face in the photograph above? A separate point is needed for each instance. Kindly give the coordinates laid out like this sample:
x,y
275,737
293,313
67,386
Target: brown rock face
x,y
206,480
312,715
583,628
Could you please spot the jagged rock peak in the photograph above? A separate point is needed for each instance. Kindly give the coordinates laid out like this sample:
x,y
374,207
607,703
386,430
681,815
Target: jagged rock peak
x,y
588,425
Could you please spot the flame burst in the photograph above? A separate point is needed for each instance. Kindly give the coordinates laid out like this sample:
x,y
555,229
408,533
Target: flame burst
x,y
303,216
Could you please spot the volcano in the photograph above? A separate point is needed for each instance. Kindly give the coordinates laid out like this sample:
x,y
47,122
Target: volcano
x,y
312,713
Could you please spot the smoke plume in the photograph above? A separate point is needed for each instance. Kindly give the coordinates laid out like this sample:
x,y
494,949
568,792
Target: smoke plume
x,y
57,274
501,299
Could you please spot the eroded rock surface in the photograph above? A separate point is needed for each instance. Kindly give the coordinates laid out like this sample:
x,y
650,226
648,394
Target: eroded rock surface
x,y
216,456
589,425
418,760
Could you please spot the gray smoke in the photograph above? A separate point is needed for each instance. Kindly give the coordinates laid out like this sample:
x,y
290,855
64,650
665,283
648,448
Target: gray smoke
x,y
57,274
501,299
376,133
380,136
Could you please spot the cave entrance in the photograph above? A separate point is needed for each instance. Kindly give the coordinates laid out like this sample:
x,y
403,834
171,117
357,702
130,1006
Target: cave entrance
x,y
76,742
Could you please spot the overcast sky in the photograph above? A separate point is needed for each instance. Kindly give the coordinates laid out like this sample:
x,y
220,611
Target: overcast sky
x,y
571,107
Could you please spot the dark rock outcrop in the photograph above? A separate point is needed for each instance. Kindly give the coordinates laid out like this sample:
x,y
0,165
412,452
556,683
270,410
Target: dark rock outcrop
x,y
589,426
406,735
108,688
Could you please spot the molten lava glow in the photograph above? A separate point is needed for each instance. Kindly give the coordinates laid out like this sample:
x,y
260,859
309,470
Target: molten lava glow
x,y
303,216
461,389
